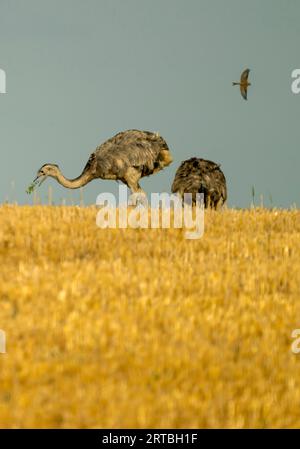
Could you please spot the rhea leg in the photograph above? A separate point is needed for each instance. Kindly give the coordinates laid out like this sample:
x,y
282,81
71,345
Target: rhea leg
x,y
207,200
131,178
219,203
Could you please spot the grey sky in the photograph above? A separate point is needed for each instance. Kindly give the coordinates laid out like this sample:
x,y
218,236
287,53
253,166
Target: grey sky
x,y
80,71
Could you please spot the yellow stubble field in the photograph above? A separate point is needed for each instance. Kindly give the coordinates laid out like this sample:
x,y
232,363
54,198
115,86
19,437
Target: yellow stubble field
x,y
143,328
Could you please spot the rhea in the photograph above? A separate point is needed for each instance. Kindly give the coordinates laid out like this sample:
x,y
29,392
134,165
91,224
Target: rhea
x,y
126,157
198,175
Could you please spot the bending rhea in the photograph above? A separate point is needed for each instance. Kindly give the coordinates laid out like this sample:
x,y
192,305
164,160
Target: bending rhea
x,y
127,157
197,175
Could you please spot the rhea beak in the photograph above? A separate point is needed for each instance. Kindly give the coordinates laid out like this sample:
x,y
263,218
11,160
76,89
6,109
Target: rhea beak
x,y
42,177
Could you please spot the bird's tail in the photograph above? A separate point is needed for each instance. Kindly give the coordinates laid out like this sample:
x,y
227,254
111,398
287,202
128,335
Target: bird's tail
x,y
164,159
235,84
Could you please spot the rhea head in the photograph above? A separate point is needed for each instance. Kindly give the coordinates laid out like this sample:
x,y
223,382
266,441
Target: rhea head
x,y
45,171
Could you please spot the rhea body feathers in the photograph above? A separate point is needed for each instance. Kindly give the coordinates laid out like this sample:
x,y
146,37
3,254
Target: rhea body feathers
x,y
198,175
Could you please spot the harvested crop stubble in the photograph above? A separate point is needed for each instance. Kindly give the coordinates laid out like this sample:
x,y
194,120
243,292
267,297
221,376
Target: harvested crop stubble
x,y
143,328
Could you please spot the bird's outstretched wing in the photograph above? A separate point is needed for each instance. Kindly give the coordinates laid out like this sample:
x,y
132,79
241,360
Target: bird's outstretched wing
x,y
244,75
244,91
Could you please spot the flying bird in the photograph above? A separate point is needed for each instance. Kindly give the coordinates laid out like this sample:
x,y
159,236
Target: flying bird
x,y
126,157
244,84
197,175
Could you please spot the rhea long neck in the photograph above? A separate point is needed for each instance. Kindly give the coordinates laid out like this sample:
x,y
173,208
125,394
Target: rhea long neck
x,y
75,183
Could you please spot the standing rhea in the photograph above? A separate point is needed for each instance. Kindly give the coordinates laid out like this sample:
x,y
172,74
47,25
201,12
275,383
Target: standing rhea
x,y
127,157
201,176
